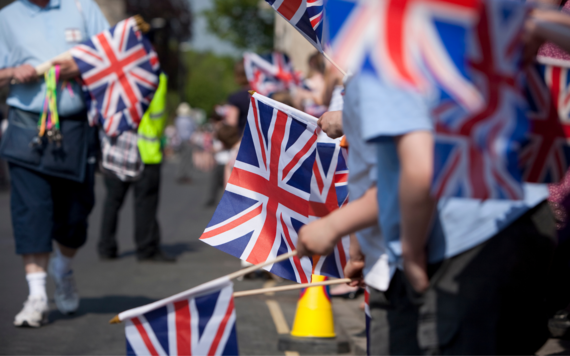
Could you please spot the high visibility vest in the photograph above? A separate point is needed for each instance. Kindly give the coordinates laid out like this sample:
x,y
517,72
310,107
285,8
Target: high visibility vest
x,y
152,125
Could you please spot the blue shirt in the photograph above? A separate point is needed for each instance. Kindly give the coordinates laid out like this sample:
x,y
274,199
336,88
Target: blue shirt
x,y
460,223
362,176
33,35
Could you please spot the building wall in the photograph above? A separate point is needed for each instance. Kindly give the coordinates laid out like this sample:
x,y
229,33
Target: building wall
x,y
290,41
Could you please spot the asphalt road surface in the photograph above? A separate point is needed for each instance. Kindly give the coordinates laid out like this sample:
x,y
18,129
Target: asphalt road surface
x,y
107,288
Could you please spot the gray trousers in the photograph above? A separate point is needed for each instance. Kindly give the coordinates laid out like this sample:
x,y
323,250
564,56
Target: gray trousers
x,y
185,165
487,300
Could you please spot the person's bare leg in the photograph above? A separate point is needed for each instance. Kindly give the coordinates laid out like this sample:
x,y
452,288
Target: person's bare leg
x,y
67,251
36,262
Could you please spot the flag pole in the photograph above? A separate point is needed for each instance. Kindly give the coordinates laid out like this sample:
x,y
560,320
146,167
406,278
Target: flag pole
x,y
243,272
333,63
290,287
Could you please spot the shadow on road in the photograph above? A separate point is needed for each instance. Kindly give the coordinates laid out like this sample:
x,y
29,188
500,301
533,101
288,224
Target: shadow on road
x,y
173,249
109,304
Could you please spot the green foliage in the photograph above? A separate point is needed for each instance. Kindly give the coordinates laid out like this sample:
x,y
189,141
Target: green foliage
x,y
210,79
244,23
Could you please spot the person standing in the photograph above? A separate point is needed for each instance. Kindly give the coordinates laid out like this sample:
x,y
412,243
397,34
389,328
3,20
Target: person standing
x,y
146,189
456,286
238,102
50,199
185,127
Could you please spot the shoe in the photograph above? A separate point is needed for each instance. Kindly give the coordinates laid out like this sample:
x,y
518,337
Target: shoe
x,y
159,257
66,297
345,291
559,325
34,314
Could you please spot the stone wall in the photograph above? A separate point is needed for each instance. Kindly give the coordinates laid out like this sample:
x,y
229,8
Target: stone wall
x,y
114,10
290,41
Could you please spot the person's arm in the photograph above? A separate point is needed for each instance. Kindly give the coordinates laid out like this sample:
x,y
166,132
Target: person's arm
x,y
6,76
331,123
232,115
545,25
321,236
22,74
557,33
415,152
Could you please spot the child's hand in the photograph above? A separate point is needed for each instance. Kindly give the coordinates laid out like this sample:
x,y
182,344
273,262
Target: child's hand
x,y
355,263
353,270
316,238
416,270
331,123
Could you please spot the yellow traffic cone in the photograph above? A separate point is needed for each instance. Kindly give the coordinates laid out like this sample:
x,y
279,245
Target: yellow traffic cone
x,y
314,316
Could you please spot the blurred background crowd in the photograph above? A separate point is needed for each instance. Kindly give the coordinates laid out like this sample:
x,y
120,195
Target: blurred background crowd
x,y
200,44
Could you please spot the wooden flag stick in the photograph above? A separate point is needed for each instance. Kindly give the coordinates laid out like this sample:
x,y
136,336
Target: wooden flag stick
x,y
290,287
239,273
243,272
333,63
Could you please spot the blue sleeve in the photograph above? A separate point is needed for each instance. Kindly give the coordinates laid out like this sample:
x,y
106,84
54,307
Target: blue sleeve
x,y
4,47
389,111
96,21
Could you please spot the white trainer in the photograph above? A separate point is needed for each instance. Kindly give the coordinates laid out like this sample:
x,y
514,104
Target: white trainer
x,y
66,297
34,314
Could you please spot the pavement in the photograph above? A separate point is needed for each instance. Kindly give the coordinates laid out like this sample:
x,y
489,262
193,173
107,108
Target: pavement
x,y
109,287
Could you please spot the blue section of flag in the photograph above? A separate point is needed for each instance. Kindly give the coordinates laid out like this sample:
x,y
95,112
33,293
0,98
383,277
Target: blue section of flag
x,y
284,267
300,179
206,306
247,152
230,204
265,116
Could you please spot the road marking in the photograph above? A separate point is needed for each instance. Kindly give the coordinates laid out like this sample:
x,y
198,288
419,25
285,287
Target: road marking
x,y
270,283
278,317
291,353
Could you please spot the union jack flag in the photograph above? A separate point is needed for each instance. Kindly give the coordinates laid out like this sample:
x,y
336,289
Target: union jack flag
x,y
305,15
267,196
200,321
269,73
545,158
476,153
329,191
416,44
120,73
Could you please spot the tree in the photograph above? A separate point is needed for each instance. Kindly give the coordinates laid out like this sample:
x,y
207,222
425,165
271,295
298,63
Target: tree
x,y
171,22
210,79
247,24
